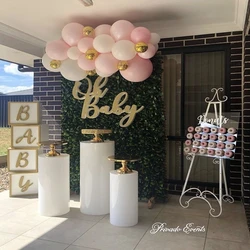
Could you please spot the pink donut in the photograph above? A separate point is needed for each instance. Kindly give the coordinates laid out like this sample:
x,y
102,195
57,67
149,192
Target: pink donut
x,y
197,136
198,129
190,129
206,130
194,150
222,130
214,130
220,145
204,137
188,142
230,146
211,144
187,149
219,152
210,151
213,137
229,153
189,135
204,144
221,137
232,130
196,143
231,138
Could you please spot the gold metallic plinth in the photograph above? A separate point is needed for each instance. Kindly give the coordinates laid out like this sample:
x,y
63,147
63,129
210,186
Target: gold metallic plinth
x,y
52,145
124,161
96,133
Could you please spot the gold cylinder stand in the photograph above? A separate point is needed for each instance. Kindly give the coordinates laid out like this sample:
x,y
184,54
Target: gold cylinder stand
x,y
96,133
124,160
52,145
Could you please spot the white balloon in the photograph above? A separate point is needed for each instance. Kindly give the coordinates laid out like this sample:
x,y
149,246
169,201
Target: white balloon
x,y
155,38
71,71
46,63
98,72
124,50
73,53
103,43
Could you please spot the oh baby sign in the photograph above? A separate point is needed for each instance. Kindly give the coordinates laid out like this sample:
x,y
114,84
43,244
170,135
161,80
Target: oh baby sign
x,y
91,98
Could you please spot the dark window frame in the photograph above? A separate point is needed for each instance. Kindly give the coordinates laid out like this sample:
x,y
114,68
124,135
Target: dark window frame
x,y
199,49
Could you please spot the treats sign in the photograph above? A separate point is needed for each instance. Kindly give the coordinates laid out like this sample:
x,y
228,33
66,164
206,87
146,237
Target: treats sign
x,y
91,99
214,121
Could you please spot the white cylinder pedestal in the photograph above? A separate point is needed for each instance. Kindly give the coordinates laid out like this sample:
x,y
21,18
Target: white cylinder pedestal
x,y
123,199
53,185
94,176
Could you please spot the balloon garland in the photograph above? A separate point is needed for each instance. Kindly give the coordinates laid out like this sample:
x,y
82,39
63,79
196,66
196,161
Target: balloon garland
x,y
104,50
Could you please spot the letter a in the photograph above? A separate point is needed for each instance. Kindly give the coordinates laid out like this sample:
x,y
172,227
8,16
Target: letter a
x,y
28,135
23,114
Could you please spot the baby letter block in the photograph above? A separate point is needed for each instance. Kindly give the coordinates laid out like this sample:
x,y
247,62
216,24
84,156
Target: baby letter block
x,y
22,160
24,113
23,184
28,136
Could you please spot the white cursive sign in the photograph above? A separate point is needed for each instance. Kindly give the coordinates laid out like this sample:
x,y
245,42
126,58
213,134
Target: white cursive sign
x,y
188,228
214,121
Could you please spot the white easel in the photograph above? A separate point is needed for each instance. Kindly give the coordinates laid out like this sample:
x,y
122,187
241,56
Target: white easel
x,y
217,104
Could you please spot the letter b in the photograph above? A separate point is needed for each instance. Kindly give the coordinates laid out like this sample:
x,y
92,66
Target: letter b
x,y
23,113
22,160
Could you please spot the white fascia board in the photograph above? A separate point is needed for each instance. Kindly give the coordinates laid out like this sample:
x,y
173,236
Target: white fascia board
x,y
21,41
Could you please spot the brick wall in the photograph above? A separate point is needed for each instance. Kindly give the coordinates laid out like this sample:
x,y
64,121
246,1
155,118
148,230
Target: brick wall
x,y
235,41
47,90
246,128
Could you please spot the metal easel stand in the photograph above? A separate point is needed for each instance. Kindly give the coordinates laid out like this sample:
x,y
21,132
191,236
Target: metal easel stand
x,y
217,160
203,194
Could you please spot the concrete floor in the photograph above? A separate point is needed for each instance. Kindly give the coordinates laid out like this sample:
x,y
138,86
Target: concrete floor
x,y
21,227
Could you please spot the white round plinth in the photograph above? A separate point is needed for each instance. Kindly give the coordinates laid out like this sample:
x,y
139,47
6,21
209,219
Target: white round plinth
x,y
123,199
53,185
94,176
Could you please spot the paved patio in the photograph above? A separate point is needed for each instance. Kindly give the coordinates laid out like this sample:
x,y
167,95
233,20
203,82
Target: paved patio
x,y
21,227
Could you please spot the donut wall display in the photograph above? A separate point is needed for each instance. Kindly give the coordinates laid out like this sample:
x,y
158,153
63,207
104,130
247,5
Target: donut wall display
x,y
212,142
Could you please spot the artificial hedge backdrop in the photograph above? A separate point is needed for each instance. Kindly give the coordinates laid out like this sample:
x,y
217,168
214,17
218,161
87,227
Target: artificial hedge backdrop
x,y
145,137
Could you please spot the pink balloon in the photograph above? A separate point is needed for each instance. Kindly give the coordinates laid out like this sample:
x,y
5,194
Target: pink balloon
x,y
138,70
106,63
121,30
149,53
102,29
57,50
72,33
85,43
86,64
140,34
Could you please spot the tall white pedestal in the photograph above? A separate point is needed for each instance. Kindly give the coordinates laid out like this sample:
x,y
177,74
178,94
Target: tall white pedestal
x,y
124,199
94,176
53,185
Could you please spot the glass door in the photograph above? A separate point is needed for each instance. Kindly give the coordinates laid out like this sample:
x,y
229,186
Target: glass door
x,y
187,80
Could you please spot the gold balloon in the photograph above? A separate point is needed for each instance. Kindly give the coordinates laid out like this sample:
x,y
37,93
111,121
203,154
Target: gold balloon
x,y
91,54
91,72
122,65
88,31
141,47
55,64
